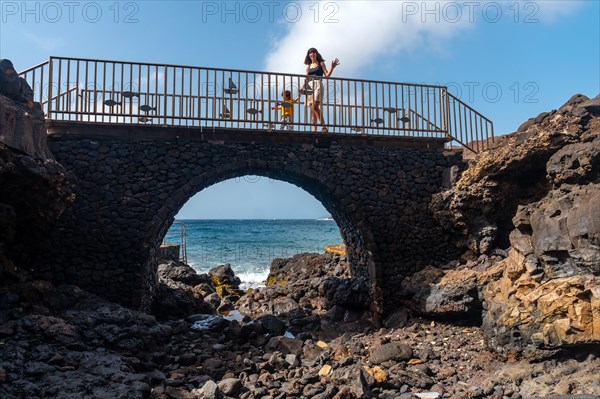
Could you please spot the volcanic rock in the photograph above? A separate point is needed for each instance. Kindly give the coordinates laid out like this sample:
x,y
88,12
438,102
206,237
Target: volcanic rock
x,y
478,210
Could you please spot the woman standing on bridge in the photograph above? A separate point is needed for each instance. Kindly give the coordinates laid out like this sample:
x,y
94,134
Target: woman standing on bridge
x,y
316,68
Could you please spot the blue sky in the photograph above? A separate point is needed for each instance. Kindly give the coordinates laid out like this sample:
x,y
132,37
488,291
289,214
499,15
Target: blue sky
x,y
510,60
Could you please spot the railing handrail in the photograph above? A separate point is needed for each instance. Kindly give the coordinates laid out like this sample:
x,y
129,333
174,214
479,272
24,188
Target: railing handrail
x,y
41,64
300,75
468,106
182,237
462,138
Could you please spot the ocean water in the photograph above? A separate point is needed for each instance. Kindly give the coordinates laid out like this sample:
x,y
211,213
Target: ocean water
x,y
251,245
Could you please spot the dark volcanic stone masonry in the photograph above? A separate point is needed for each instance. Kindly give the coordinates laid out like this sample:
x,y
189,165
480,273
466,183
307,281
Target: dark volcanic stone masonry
x,y
129,190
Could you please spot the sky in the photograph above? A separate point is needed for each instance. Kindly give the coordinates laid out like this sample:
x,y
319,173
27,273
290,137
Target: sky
x,y
510,60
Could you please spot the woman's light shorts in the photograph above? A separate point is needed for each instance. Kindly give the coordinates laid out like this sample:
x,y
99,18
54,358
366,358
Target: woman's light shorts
x,y
317,95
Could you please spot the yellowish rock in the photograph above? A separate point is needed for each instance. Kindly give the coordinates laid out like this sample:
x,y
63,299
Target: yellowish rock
x,y
565,310
377,373
414,361
322,344
325,370
336,249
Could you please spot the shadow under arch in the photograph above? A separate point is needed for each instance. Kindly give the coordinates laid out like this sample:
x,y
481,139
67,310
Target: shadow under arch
x,y
356,234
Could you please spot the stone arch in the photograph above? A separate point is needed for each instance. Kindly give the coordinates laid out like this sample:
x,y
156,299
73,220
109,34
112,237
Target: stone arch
x,y
356,236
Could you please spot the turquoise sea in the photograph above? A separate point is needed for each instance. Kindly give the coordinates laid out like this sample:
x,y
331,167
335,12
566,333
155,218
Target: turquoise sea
x,y
250,245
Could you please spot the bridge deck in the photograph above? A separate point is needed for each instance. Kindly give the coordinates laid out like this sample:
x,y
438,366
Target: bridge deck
x,y
216,134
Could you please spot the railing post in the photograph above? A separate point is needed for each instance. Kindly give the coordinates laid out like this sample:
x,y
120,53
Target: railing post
x,y
50,83
165,102
446,108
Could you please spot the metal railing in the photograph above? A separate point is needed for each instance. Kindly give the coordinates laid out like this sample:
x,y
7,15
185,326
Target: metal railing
x,y
177,234
100,91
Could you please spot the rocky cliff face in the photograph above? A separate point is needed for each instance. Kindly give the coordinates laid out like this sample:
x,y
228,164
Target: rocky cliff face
x,y
537,193
480,208
34,189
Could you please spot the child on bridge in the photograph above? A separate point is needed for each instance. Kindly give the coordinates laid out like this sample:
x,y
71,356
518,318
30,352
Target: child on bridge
x,y
287,110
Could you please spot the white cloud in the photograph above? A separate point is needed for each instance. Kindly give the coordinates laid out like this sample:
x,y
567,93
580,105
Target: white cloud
x,y
360,31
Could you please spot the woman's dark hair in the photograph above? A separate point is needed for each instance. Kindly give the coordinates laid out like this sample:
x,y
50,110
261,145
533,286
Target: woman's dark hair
x,y
307,60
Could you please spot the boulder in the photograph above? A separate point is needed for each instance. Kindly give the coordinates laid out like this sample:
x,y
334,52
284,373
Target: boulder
x,y
445,294
224,275
174,272
307,287
391,351
271,324
307,266
176,303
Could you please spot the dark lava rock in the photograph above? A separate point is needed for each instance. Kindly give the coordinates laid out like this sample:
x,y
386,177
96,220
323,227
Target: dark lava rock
x,y
224,275
272,324
391,351
180,272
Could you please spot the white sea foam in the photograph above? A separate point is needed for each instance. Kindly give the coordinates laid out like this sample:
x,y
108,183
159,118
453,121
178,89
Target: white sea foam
x,y
255,279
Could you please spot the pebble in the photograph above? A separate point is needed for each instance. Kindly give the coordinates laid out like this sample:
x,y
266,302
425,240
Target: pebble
x,y
428,395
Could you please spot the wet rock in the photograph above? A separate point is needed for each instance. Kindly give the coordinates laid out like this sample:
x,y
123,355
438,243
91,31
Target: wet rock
x,y
224,275
206,322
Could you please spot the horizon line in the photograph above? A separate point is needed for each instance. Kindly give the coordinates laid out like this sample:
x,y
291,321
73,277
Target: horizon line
x,y
318,218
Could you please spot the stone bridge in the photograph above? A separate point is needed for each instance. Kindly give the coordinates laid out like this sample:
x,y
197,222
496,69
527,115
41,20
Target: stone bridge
x,y
142,138
130,187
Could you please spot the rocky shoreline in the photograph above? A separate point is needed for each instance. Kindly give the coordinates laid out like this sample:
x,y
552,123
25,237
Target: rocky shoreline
x,y
311,338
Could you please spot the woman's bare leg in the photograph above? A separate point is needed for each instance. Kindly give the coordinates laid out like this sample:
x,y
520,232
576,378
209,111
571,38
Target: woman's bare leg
x,y
314,115
317,116
321,119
